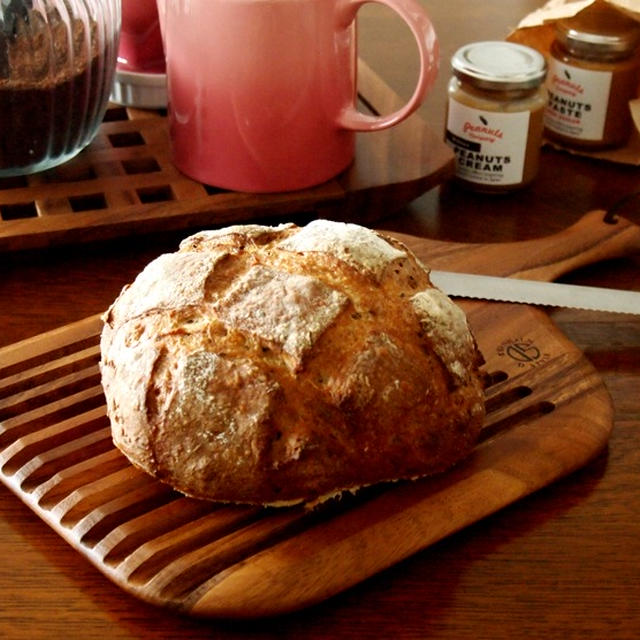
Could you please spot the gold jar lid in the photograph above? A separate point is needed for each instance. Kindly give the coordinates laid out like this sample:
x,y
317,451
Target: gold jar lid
x,y
599,30
499,66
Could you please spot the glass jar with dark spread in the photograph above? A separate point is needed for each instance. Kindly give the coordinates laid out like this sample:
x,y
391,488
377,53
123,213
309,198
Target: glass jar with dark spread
x,y
594,71
495,114
56,68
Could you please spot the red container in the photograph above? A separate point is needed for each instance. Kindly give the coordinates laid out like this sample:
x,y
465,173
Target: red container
x,y
140,40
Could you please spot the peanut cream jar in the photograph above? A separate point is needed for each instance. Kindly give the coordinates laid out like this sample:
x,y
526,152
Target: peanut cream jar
x,y
495,114
593,74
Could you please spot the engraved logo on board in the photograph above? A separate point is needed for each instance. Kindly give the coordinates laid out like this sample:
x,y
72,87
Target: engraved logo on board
x,y
524,352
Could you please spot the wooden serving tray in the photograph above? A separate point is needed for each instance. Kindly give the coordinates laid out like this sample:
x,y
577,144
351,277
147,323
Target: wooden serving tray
x,y
548,414
124,182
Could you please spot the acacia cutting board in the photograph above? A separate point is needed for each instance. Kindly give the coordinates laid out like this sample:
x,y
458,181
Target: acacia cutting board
x,y
548,414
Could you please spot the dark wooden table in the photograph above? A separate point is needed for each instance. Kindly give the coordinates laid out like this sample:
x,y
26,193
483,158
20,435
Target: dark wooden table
x,y
563,563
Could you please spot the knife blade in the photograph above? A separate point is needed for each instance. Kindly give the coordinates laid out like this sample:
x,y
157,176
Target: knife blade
x,y
471,285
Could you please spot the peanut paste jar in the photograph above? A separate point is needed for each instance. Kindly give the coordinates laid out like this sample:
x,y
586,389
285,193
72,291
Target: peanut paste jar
x,y
495,114
593,74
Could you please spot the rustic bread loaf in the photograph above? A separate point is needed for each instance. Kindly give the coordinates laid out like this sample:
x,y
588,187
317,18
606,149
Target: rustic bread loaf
x,y
274,365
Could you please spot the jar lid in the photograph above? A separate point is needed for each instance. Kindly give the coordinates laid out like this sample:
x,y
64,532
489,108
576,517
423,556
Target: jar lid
x,y
499,65
599,30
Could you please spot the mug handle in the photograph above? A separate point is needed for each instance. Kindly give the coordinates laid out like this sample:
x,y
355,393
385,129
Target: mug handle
x,y
422,29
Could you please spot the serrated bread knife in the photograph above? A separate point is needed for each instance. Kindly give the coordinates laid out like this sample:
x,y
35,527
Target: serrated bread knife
x,y
469,285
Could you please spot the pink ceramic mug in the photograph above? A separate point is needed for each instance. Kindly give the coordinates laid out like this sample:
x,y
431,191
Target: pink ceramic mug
x,y
262,92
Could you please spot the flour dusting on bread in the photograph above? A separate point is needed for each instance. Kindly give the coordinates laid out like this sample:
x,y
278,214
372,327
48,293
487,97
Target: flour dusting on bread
x,y
446,324
290,310
355,245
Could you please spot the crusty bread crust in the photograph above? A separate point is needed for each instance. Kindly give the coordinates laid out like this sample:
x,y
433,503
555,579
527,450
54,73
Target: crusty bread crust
x,y
273,365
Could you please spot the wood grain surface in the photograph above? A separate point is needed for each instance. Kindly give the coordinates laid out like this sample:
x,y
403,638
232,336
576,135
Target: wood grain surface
x,y
561,563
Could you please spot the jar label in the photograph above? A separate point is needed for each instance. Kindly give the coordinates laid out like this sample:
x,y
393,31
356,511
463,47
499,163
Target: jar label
x,y
578,100
490,147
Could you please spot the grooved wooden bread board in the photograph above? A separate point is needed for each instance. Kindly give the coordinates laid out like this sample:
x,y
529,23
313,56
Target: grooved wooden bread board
x,y
548,414
124,182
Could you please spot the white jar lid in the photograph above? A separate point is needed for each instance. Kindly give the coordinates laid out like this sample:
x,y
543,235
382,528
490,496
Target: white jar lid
x,y
499,65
